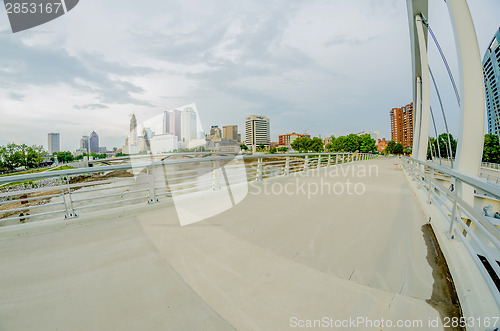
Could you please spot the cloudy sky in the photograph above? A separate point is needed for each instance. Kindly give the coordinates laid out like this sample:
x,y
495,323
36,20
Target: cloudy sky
x,y
325,67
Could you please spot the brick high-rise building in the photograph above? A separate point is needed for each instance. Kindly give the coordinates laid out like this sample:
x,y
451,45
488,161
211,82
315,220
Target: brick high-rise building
x,y
402,125
287,139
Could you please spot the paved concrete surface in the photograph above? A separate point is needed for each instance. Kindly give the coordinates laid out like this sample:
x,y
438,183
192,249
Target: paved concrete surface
x,y
269,261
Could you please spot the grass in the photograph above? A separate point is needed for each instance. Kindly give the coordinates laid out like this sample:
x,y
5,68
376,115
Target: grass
x,y
30,171
64,167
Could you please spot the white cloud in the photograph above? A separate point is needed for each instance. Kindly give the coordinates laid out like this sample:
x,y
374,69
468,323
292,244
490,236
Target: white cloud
x,y
336,66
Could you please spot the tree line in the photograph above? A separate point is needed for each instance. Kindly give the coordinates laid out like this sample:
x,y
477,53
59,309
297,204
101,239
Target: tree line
x,y
352,143
349,143
14,156
445,148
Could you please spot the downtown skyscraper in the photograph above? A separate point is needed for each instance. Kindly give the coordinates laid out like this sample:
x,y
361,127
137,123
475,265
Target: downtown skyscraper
x,y
188,124
172,123
402,125
491,71
257,131
94,142
53,143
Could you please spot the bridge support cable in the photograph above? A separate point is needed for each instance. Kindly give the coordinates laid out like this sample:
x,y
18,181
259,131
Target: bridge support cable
x,y
450,150
435,131
417,117
445,61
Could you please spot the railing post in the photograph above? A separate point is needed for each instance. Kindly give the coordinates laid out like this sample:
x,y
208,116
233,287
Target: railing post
x,y
431,177
319,161
259,169
152,186
306,161
287,166
329,160
68,205
336,159
452,220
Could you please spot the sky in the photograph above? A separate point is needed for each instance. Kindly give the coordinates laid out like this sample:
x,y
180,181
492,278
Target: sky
x,y
321,67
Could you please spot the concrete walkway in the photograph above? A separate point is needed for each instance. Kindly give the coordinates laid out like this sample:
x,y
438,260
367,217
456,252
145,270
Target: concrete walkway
x,y
272,262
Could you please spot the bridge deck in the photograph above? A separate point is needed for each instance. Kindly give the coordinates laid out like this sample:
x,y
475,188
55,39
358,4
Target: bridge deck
x,y
267,260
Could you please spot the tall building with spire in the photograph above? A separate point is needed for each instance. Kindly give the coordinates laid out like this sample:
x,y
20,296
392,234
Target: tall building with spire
x,y
133,131
491,71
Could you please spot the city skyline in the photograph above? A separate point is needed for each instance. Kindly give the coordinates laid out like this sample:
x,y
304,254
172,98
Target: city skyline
x,y
305,66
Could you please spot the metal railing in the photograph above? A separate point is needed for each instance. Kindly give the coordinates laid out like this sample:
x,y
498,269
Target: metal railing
x,y
67,193
495,166
493,176
490,177
478,234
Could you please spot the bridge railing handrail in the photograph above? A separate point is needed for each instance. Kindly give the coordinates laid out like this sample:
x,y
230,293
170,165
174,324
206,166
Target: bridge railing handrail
x,y
128,166
485,186
454,208
181,180
491,165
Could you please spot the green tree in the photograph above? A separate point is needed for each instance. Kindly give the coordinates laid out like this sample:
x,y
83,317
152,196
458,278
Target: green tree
x,y
316,145
352,143
64,157
19,155
398,149
367,144
244,147
301,144
491,151
283,149
338,145
14,156
389,149
34,156
444,145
